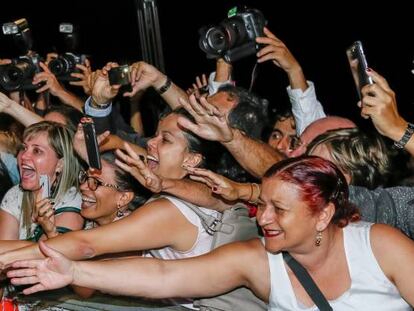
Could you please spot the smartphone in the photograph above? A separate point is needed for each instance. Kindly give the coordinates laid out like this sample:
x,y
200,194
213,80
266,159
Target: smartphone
x,y
45,185
119,75
92,148
359,65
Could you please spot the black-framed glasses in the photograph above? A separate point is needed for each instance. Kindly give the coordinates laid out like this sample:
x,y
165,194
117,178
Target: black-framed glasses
x,y
93,182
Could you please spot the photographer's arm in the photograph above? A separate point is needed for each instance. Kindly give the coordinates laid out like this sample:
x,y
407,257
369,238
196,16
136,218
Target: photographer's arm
x,y
55,88
305,106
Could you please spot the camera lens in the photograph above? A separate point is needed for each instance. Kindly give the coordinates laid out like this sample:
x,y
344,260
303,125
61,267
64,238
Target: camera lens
x,y
13,76
58,66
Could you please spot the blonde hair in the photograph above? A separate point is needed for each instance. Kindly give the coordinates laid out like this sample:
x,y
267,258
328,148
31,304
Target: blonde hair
x,y
363,156
9,142
60,140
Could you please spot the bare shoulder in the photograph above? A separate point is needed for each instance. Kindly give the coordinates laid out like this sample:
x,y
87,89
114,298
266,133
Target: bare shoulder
x,y
390,245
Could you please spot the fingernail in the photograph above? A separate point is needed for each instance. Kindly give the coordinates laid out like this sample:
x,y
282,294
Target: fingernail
x,y
215,188
369,69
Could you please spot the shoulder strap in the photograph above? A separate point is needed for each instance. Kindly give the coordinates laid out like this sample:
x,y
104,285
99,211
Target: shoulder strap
x,y
307,282
210,223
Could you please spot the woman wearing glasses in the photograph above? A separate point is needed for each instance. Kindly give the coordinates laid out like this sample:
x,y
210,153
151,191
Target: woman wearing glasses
x,y
164,223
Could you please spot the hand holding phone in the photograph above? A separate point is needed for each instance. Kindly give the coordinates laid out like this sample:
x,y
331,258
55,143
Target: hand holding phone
x,y
92,148
45,185
119,75
359,65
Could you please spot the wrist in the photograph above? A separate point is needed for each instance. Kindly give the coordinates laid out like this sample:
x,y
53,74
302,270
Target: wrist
x,y
405,137
98,104
231,136
162,88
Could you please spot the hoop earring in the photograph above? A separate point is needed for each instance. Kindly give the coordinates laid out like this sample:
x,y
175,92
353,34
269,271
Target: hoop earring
x,y
318,238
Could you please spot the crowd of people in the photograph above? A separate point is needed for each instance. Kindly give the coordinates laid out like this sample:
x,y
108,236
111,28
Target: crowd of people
x,y
318,187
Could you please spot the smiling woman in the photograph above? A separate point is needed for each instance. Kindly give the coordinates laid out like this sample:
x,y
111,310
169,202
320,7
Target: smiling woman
x,y
24,213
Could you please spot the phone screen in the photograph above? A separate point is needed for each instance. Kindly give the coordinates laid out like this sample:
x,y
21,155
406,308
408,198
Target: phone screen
x,y
45,185
92,147
359,65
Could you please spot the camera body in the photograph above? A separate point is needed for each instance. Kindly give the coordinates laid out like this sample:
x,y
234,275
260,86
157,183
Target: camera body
x,y
119,75
65,64
18,75
68,58
235,37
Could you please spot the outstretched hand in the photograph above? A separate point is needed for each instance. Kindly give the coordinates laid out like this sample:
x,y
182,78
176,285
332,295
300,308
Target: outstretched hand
x,y
200,87
219,184
136,165
55,271
210,124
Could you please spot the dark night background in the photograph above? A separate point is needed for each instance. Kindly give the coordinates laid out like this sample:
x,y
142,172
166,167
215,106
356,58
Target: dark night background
x,y
317,34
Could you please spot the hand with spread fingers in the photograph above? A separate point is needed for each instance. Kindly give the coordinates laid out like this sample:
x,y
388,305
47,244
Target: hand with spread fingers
x,y
210,124
226,188
83,76
44,215
136,165
200,87
51,83
55,271
379,103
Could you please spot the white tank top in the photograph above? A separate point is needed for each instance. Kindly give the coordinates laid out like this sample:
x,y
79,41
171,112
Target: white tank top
x,y
370,288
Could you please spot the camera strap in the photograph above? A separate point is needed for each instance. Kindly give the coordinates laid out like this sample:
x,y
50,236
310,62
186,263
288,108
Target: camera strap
x,y
253,77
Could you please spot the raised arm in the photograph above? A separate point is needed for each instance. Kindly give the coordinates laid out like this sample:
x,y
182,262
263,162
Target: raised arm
x,y
144,75
305,106
52,85
379,103
253,155
20,113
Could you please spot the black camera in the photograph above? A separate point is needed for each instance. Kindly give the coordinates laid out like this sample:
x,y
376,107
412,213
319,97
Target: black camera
x,y
18,75
65,63
234,38
119,75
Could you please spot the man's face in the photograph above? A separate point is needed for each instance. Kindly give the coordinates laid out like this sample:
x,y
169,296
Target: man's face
x,y
282,135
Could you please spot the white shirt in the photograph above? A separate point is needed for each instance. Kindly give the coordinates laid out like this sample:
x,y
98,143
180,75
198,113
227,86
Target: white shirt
x,y
370,288
305,106
12,204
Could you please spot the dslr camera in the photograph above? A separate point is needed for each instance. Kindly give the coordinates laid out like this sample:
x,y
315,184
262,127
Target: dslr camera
x,y
234,38
18,75
65,63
